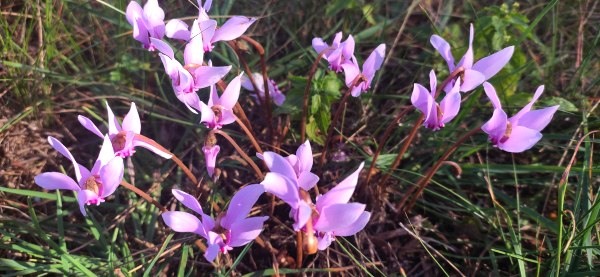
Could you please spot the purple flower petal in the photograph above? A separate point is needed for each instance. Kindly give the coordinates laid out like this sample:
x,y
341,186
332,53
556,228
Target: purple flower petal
x,y
113,125
154,17
65,152
131,122
467,60
527,108
151,148
444,49
490,91
111,175
233,28
278,164
246,230
177,29
471,80
182,222
85,196
355,227
374,62
342,192
107,153
305,157
281,187
210,156
307,180
194,50
88,124
56,180
338,215
520,139
538,119
422,100
163,48
450,105
211,252
302,216
206,76
241,204
496,126
492,64
231,94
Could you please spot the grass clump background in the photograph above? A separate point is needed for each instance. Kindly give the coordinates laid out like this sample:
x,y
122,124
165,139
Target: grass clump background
x,y
487,213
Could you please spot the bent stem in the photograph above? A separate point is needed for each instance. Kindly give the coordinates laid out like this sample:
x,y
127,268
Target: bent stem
x,y
250,135
425,180
413,132
241,152
143,195
237,109
263,64
179,163
338,113
311,75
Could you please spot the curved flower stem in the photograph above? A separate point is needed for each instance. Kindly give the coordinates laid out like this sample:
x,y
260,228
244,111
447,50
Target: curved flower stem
x,y
250,135
337,115
415,128
185,169
143,195
425,180
311,75
246,69
384,138
261,52
237,109
241,152
299,251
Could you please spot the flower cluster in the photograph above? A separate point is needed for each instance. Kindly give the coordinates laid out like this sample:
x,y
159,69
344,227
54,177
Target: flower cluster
x,y
515,134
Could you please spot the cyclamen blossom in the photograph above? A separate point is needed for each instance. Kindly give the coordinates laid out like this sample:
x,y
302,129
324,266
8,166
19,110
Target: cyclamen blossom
x,y
335,216
122,137
231,29
520,132
288,176
338,52
474,74
436,115
188,79
371,65
219,110
147,23
93,186
231,229
274,91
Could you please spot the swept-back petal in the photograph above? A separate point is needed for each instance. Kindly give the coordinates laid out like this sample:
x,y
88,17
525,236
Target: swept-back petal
x,y
443,47
151,148
281,187
527,108
208,116
355,227
303,215
348,47
422,100
56,180
246,230
305,157
233,28
210,156
231,94
277,163
163,48
191,101
496,126
209,75
373,62
470,80
58,146
338,215
194,49
538,119
467,60
111,175
132,122
342,192
351,70
188,200
211,252
241,204
154,17
85,196
88,124
490,91
107,153
492,64
182,222
319,45
113,125
307,180
134,11
450,105
177,29
520,139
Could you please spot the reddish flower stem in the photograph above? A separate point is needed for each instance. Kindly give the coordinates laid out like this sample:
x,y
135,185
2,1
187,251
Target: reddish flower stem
x,y
241,152
250,135
299,251
183,167
143,195
415,128
337,115
261,52
246,67
311,75
425,180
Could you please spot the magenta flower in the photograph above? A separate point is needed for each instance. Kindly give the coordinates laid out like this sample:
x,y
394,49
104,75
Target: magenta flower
x,y
474,74
436,115
231,229
210,156
219,110
122,137
274,91
231,29
335,216
147,23
188,79
337,53
287,177
520,132
93,186
371,65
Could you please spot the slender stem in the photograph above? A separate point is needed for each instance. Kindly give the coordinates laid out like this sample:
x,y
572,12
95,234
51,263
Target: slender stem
x,y
250,135
384,138
425,180
311,75
143,195
239,112
261,52
241,152
415,128
299,251
337,115
246,67
183,167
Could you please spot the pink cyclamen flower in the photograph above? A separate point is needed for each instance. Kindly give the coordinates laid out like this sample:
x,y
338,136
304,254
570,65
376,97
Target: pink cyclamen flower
x,y
520,132
219,110
474,74
122,137
93,186
210,156
337,53
231,229
335,216
188,79
231,29
274,91
147,23
371,65
436,115
287,177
